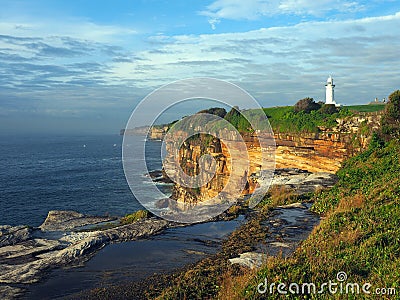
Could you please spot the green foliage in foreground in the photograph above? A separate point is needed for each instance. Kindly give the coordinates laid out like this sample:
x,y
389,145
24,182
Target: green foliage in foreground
x,y
360,234
133,217
391,118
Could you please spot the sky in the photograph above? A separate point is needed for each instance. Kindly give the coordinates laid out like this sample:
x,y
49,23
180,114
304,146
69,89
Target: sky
x,y
82,66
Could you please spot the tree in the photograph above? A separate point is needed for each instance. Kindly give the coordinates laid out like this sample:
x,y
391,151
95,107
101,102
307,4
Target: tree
x,y
390,121
307,105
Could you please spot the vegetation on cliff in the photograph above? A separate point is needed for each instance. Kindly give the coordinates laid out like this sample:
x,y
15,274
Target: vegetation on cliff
x,y
307,105
391,117
304,119
359,234
306,116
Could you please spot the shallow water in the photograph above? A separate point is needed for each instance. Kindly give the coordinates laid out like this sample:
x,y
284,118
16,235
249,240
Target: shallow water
x,y
288,226
136,260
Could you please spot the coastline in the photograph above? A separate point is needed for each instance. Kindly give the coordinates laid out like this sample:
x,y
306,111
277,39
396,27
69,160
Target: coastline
x,y
265,233
30,253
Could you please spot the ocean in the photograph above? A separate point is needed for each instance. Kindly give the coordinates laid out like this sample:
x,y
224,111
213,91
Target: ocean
x,y
81,173
85,174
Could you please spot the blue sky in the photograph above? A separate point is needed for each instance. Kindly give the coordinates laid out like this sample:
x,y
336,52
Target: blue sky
x,y
82,66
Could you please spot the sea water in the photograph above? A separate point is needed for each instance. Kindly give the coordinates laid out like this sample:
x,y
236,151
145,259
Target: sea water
x,y
81,173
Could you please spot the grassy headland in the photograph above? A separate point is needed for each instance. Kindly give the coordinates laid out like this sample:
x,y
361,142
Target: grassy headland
x,y
284,119
359,233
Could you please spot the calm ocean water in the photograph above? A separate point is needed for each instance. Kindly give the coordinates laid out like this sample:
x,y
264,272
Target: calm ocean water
x,y
85,173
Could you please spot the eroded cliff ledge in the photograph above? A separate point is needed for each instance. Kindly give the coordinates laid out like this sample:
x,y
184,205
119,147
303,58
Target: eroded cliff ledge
x,y
323,151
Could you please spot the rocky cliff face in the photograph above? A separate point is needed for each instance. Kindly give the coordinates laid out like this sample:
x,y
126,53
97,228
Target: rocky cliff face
x,y
326,150
190,163
315,152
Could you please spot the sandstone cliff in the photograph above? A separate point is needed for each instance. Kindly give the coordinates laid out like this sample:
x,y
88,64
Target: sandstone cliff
x,y
315,152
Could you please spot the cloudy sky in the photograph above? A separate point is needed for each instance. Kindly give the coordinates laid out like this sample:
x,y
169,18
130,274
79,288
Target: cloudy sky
x,y
82,66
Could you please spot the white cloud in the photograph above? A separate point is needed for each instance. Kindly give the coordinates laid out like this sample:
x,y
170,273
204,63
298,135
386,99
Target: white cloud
x,y
278,65
76,28
317,8
213,23
254,9
285,63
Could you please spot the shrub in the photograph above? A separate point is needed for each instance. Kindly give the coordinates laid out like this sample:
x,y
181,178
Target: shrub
x,y
328,109
307,105
390,121
136,216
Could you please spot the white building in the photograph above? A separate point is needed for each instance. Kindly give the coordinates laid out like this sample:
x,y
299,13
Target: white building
x,y
330,93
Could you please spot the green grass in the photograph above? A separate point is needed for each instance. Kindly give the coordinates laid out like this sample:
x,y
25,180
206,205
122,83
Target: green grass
x,y
360,234
366,108
284,119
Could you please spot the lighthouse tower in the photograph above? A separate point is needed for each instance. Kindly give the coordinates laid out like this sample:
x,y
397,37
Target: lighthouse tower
x,y
329,94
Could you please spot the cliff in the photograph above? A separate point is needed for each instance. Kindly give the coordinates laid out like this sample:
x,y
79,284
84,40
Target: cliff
x,y
315,152
189,156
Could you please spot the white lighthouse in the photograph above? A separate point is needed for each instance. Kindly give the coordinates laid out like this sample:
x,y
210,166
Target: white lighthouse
x,y
329,93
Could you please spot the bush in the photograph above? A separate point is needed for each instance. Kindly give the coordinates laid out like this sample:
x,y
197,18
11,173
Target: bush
x,y
307,105
328,109
390,121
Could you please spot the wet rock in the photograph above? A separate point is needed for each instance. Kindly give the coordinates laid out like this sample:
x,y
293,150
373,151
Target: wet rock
x,y
24,258
302,181
9,292
165,180
62,220
195,252
280,245
249,259
293,205
27,250
155,174
287,226
11,235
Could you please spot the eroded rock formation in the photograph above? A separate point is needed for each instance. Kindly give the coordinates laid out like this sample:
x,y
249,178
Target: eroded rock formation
x,y
314,152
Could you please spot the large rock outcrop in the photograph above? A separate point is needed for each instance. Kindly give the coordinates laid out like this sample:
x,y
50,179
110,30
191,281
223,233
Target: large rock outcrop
x,y
314,152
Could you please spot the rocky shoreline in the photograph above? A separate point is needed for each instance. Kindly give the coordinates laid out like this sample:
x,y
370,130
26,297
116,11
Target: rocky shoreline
x,y
69,238
26,254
